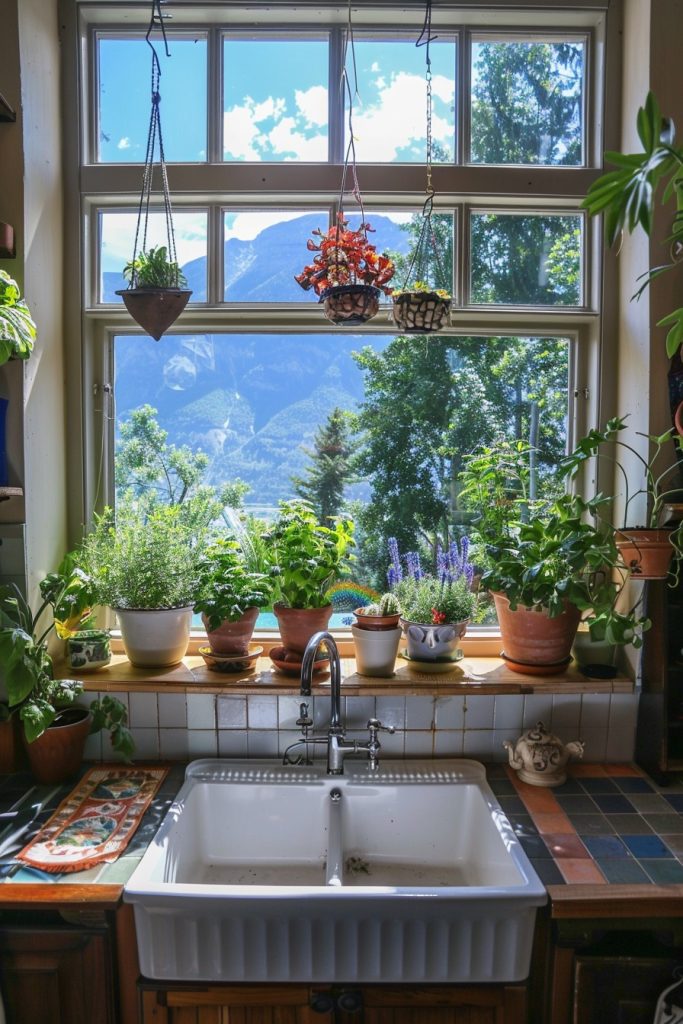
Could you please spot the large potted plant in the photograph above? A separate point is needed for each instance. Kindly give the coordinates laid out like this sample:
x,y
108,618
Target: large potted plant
x,y
436,606
157,292
348,274
646,550
229,597
17,329
544,556
55,728
308,557
144,563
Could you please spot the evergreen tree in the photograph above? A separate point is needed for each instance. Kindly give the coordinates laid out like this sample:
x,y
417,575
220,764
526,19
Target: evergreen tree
x,y
330,469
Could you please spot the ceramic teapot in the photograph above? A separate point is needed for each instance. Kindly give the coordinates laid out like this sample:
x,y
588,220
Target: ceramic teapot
x,y
540,758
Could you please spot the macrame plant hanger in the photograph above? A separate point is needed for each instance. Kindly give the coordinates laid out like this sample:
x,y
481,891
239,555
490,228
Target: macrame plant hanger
x,y
155,300
418,306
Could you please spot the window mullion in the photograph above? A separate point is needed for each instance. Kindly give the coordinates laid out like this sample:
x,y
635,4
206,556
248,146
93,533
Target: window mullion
x,y
336,97
214,99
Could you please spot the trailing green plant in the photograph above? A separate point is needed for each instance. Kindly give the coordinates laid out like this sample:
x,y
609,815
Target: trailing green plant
x,y
433,597
606,622
153,269
226,587
17,329
144,558
628,196
32,691
308,556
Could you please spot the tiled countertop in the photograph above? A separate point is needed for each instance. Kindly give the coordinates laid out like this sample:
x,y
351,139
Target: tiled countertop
x,y
608,830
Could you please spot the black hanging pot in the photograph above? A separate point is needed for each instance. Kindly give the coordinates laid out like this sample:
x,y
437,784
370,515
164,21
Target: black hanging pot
x,y
155,309
350,304
420,312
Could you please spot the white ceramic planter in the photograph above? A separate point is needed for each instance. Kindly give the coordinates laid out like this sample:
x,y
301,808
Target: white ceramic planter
x,y
155,638
376,650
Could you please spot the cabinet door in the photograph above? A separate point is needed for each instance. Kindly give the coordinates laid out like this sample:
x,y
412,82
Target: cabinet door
x,y
56,976
622,988
456,1004
247,1004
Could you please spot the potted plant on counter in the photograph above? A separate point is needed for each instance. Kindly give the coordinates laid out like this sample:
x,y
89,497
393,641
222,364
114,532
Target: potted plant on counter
x,y
157,292
55,728
145,565
646,551
436,606
229,598
376,636
308,557
348,274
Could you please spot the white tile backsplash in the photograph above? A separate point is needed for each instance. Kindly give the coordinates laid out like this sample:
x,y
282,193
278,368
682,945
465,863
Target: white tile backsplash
x,y
478,744
448,743
479,710
262,743
419,743
391,711
146,744
419,713
508,712
202,743
201,711
144,712
449,713
261,712
232,743
595,709
566,715
173,744
231,712
538,707
172,711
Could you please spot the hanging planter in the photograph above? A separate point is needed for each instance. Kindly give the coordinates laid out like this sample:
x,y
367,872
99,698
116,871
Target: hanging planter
x,y
156,294
348,274
421,309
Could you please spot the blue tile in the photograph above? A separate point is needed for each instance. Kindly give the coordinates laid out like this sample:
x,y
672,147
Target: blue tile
x,y
609,804
604,846
592,824
569,788
664,871
548,871
622,870
576,803
601,784
634,785
676,800
512,804
534,847
646,846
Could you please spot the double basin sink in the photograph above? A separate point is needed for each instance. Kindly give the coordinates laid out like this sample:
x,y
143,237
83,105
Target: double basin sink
x,y
262,872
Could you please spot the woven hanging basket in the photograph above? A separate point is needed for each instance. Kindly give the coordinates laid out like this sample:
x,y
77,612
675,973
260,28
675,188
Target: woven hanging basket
x,y
350,304
421,312
155,309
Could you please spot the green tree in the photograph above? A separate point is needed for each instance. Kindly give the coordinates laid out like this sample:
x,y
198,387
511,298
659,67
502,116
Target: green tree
x,y
330,469
148,468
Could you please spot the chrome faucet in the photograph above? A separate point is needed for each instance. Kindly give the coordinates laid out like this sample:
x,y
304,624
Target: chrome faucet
x,y
337,744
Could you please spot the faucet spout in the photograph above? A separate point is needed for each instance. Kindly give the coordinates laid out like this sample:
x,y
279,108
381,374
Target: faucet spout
x,y
307,666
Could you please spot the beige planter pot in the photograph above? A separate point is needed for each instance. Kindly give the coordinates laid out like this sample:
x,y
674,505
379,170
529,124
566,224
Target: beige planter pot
x,y
376,651
155,638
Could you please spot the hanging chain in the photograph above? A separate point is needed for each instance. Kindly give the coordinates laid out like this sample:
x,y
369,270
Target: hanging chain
x,y
424,39
154,133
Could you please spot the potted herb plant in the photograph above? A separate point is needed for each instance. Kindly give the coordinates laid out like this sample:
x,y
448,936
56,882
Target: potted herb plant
x,y
17,329
308,557
544,556
376,636
144,563
420,309
55,729
436,606
229,597
348,274
157,292
647,550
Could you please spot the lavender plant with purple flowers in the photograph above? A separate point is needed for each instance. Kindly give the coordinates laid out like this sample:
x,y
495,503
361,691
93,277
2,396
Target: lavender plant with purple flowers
x,y
444,595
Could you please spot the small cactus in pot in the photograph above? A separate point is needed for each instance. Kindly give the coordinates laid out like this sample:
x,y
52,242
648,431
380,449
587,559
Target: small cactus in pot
x,y
383,614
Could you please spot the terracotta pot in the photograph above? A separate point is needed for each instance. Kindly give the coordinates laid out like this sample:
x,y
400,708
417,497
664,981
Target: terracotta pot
x,y
155,309
532,637
646,554
232,637
297,625
678,418
350,304
57,755
375,622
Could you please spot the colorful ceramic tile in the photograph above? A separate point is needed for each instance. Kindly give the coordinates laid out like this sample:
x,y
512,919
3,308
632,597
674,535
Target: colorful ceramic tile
x,y
623,770
646,846
634,785
548,871
622,871
675,799
664,824
629,824
600,847
577,804
581,871
551,823
610,804
664,871
579,771
565,846
600,784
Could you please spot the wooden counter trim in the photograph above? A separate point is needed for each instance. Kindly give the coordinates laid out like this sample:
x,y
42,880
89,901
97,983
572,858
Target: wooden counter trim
x,y
615,901
59,896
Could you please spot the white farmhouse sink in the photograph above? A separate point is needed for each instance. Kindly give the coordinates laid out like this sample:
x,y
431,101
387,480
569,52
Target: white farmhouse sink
x,y
268,873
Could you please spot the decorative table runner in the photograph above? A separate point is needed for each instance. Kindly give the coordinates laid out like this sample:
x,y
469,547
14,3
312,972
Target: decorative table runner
x,y
96,821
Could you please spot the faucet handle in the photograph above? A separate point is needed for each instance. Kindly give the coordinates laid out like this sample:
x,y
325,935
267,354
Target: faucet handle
x,y
375,726
304,720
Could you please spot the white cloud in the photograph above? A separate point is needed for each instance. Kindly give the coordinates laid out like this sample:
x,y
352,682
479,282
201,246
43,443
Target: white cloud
x,y
249,224
118,234
374,67
284,138
312,104
241,134
123,143
397,119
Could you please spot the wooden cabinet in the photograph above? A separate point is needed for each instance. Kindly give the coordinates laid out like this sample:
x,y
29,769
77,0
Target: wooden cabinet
x,y
56,975
333,1004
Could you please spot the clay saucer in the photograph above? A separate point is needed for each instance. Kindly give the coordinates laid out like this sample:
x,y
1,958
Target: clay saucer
x,y
435,665
552,669
290,663
231,662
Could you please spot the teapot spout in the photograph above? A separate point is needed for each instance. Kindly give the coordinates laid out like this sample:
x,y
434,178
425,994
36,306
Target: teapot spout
x,y
515,762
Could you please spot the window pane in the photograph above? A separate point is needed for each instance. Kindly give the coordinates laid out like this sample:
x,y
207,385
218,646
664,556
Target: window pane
x,y
117,234
526,259
275,99
256,405
389,112
125,68
265,249
397,232
527,103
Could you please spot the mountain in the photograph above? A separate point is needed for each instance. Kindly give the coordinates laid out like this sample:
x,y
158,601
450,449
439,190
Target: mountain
x,y
251,401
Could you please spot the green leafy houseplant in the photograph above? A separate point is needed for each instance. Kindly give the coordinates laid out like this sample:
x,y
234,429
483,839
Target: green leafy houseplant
x,y
308,555
226,588
153,269
32,691
628,196
17,329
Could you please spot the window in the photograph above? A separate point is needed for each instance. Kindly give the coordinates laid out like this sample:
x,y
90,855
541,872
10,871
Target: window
x,y
255,122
